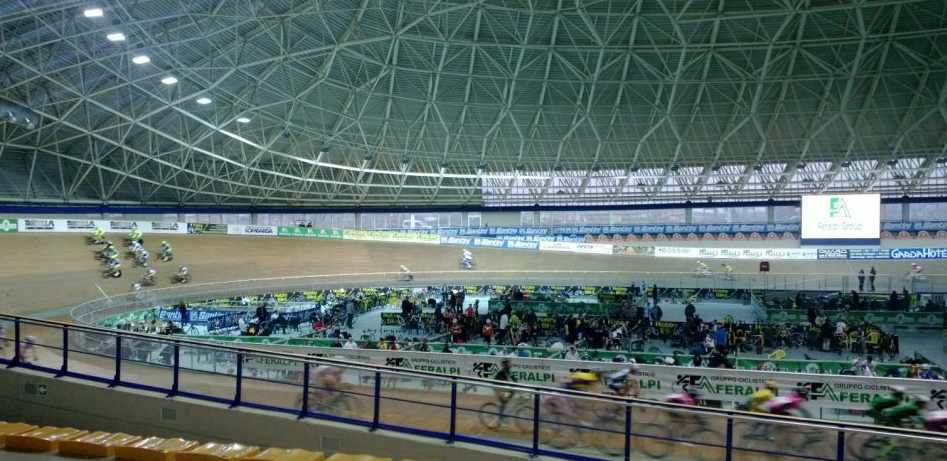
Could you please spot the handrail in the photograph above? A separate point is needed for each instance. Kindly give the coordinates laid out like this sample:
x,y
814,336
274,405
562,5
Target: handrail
x,y
533,389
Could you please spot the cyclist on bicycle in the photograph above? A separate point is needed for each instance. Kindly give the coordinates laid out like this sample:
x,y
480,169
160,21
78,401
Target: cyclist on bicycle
x,y
884,402
98,235
622,383
905,414
790,405
504,374
760,398
328,378
936,421
561,405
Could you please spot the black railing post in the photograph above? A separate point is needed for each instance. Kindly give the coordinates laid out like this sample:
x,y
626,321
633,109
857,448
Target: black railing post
x,y
376,410
729,439
536,398
16,343
175,370
840,447
304,408
238,392
118,362
453,412
627,432
65,352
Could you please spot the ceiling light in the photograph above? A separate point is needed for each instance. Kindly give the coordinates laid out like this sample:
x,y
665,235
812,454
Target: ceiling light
x,y
242,120
141,59
203,100
93,13
169,80
116,37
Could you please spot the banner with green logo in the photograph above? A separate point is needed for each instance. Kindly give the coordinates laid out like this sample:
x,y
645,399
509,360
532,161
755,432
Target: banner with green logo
x,y
393,236
311,232
883,318
8,225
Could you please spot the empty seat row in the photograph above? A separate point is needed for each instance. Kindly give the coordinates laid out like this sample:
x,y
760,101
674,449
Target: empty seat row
x,y
76,443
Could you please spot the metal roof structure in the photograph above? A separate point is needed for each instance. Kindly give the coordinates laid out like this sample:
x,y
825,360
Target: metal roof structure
x,y
486,102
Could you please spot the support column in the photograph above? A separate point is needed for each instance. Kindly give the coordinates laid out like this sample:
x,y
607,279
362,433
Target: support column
x,y
905,212
689,215
770,214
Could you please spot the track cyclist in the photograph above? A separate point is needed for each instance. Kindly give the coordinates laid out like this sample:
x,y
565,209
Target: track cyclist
x,y
883,402
327,378
135,234
907,414
504,395
623,383
467,259
702,270
165,252
560,405
760,399
98,236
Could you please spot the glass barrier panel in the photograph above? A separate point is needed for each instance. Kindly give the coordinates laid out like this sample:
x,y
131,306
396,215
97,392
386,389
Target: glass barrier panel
x,y
568,424
759,439
339,392
663,432
92,354
208,372
147,362
273,382
7,338
495,413
875,447
41,345
415,402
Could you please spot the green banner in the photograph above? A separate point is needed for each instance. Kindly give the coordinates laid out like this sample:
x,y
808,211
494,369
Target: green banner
x,y
558,308
392,236
8,225
885,318
311,232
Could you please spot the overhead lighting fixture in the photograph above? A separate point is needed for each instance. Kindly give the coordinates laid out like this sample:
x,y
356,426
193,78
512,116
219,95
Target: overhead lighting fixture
x,y
116,37
203,100
169,80
846,164
243,120
942,160
141,59
93,13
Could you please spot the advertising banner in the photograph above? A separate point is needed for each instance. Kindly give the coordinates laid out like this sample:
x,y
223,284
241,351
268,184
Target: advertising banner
x,y
80,225
918,253
250,229
577,247
881,318
8,225
483,242
621,229
853,217
38,225
168,227
868,253
202,228
833,253
737,253
633,250
392,236
826,392
123,226
310,232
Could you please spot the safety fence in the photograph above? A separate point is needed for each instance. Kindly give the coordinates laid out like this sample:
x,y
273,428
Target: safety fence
x,y
538,420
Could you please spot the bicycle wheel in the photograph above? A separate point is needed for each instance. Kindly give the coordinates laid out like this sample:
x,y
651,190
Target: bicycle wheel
x,y
558,432
648,443
523,418
705,444
871,448
489,415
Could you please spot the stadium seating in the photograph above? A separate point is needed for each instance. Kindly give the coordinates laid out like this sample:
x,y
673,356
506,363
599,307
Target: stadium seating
x,y
76,443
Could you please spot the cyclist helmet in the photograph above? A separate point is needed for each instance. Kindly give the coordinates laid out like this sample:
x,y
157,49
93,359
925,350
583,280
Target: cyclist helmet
x,y
897,391
771,385
920,400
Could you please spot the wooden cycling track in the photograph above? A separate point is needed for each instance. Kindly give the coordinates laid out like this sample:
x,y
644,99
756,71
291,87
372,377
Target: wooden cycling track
x,y
41,272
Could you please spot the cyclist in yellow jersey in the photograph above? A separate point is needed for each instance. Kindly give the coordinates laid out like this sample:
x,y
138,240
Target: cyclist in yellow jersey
x,y
759,398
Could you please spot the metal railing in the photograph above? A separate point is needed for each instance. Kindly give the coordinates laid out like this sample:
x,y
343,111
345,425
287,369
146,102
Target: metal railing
x,y
95,310
536,420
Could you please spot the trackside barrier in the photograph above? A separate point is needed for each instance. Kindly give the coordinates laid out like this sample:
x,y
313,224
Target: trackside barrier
x,y
544,421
